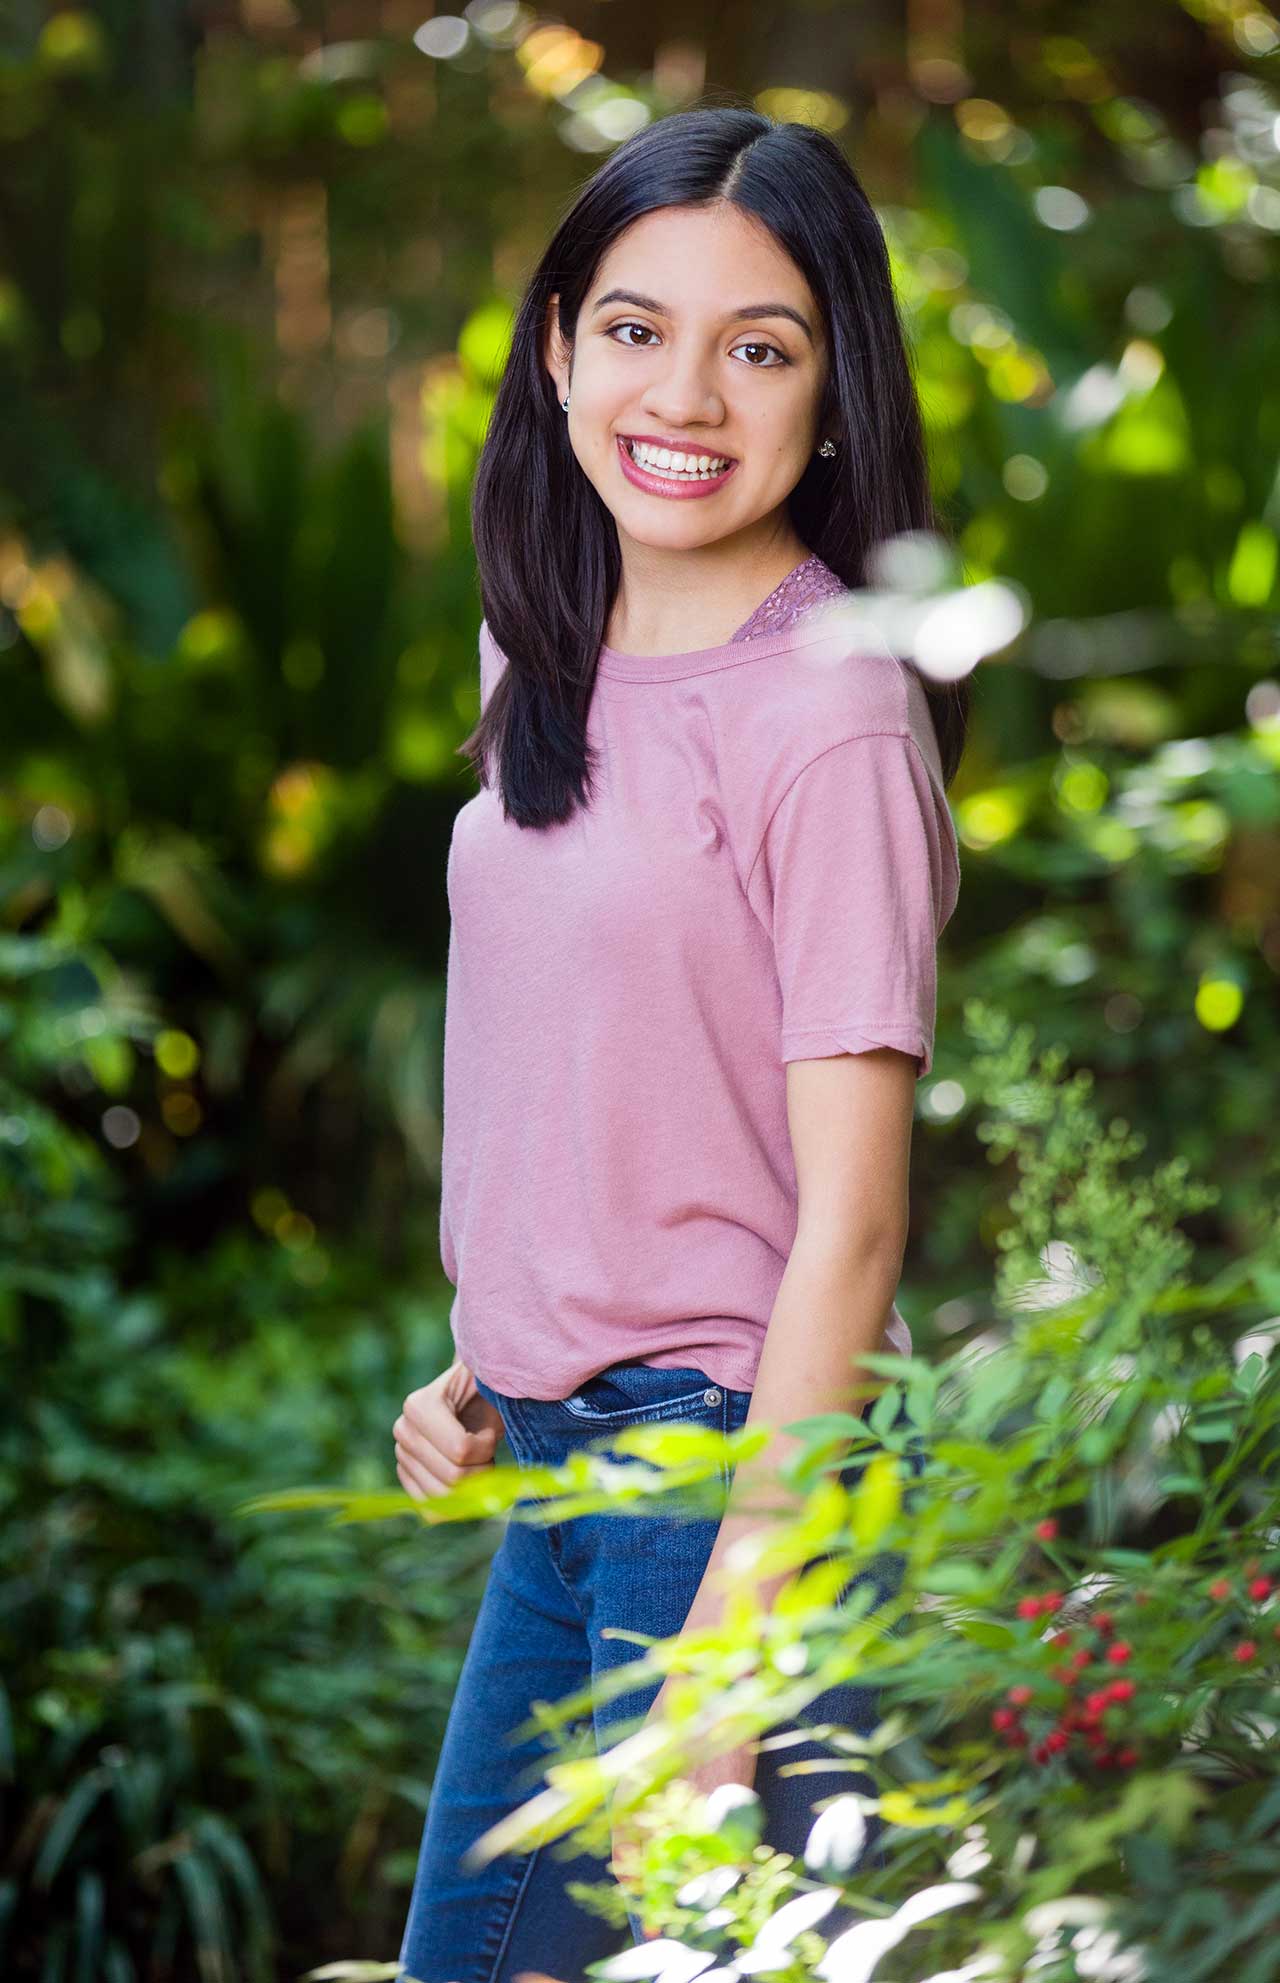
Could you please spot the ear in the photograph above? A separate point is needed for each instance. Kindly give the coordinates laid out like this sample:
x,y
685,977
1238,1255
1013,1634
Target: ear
x,y
556,354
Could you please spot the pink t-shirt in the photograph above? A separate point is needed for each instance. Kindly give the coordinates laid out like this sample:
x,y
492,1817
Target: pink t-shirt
x,y
762,877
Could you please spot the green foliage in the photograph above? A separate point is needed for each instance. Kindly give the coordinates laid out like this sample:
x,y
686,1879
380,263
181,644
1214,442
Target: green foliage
x,y
1121,1445
201,1725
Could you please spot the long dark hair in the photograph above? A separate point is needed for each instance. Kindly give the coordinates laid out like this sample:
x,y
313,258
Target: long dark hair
x,y
546,546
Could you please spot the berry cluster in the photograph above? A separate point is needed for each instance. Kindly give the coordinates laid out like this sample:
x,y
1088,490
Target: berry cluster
x,y
1257,1587
1094,1722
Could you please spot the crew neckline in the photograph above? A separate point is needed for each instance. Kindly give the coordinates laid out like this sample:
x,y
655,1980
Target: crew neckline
x,y
815,626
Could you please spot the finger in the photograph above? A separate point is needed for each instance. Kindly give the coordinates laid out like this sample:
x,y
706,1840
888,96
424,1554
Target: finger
x,y
436,1460
431,1425
415,1478
414,1483
440,1472
432,1474
431,1415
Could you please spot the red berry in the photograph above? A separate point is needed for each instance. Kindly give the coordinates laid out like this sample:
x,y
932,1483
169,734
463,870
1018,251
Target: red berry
x,y
1121,1690
1017,1737
1245,1650
1020,1695
1104,1622
1105,1759
1082,1658
1260,1587
1220,1590
1056,1739
1052,1601
1094,1736
1119,1652
1028,1607
1065,1674
1096,1704
1127,1758
1003,1718
1062,1637
1046,1530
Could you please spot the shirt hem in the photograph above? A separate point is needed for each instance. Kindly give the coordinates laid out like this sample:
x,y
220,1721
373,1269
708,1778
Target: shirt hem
x,y
822,1042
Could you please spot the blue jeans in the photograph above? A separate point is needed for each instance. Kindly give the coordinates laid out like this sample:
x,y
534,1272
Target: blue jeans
x,y
538,1635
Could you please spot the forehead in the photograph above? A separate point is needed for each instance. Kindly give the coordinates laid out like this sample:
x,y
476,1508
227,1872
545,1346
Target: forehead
x,y
704,259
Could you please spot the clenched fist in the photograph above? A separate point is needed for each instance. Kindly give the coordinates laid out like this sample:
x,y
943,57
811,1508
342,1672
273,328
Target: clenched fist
x,y
446,1430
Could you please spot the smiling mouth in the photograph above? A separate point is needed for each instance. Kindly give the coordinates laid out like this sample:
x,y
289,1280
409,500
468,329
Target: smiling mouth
x,y
719,464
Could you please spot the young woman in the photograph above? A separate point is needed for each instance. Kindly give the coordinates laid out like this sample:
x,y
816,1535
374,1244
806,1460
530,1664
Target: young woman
x,y
695,908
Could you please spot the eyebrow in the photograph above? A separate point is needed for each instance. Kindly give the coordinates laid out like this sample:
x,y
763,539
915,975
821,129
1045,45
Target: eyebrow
x,y
660,309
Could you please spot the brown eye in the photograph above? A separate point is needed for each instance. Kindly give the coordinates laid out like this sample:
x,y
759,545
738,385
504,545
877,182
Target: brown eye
x,y
781,356
631,327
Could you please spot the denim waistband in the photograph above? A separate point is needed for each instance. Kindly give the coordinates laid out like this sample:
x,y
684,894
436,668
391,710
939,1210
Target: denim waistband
x,y
544,1431
541,1431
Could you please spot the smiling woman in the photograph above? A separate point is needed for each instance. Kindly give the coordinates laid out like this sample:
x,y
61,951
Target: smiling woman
x,y
694,913
696,388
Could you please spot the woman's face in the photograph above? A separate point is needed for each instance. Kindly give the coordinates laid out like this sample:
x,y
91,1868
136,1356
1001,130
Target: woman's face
x,y
716,349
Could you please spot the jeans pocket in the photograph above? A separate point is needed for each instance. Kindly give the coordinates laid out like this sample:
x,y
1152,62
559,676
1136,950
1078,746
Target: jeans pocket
x,y
642,1393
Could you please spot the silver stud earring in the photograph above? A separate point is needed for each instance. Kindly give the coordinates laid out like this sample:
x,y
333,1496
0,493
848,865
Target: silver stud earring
x,y
828,448
565,402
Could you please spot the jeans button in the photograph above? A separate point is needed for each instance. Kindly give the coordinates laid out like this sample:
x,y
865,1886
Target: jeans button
x,y
711,1397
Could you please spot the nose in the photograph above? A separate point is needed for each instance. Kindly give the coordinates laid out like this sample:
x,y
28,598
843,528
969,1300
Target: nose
x,y
684,399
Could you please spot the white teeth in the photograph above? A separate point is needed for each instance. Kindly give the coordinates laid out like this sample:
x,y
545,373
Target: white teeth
x,y
679,467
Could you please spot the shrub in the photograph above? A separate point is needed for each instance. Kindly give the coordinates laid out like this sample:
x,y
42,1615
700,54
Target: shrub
x,y
1075,1761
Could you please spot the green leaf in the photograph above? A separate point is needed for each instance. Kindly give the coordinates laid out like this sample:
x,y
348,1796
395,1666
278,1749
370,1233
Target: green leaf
x,y
984,1632
811,1589
884,1411
876,1501
224,1844
68,1819
55,1954
969,1456
353,1972
1053,1400
669,1445
206,1912
8,1907
117,1965
1251,1373
90,1911
955,1578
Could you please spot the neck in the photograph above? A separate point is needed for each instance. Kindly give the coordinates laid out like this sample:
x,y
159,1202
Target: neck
x,y
672,602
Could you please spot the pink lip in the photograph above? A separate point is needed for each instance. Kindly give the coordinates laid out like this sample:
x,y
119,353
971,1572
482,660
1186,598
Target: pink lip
x,y
676,447
657,485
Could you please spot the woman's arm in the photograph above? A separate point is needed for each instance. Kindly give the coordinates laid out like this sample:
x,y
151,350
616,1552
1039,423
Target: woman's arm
x,y
850,1118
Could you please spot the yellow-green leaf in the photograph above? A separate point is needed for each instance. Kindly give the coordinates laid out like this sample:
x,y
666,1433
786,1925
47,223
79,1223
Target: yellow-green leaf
x,y
877,1500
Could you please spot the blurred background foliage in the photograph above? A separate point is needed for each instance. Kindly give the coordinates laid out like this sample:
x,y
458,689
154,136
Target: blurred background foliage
x,y
257,263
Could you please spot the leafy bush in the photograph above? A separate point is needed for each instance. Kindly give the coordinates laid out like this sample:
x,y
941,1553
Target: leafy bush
x,y
204,1726
1075,1762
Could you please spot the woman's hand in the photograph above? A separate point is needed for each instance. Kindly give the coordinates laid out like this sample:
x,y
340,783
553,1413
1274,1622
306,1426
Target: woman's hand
x,y
733,1766
445,1431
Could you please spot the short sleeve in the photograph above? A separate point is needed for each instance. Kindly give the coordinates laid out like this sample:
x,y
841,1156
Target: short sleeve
x,y
855,878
